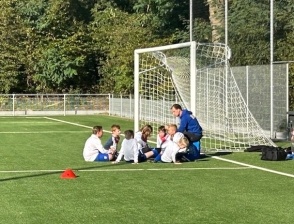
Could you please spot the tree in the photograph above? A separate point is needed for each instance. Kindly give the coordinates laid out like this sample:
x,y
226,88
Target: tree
x,y
59,51
284,39
249,38
117,34
216,17
164,16
12,35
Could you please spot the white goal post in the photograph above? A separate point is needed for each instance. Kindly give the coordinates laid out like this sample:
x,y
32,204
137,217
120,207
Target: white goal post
x,y
198,77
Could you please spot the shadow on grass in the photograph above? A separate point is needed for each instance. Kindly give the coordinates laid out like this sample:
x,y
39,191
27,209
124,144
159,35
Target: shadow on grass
x,y
203,158
207,156
218,154
59,172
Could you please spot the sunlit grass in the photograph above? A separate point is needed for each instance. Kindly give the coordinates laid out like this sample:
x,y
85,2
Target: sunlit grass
x,y
35,152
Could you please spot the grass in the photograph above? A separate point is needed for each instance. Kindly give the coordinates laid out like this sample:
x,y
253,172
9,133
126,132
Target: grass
x,y
35,152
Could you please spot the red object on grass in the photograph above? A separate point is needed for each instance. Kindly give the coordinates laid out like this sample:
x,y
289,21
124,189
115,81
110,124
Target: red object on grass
x,y
68,174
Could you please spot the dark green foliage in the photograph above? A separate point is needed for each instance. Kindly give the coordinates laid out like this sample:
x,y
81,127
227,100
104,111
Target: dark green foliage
x,y
164,15
249,38
88,46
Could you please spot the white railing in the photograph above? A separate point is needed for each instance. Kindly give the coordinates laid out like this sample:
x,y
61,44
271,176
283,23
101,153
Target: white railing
x,y
65,104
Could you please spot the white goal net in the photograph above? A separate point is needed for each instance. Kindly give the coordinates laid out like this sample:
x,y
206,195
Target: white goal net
x,y
198,77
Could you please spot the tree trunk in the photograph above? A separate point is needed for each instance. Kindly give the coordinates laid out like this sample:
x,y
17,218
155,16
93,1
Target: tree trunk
x,y
216,17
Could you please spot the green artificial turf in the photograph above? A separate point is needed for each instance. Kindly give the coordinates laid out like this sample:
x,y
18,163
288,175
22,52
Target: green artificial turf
x,y
36,151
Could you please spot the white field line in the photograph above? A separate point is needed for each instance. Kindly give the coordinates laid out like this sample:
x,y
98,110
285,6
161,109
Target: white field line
x,y
29,171
169,169
38,132
27,122
9,117
215,157
75,124
84,126
122,170
34,117
254,167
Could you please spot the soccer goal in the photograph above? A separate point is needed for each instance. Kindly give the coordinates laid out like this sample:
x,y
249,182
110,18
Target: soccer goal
x,y
198,77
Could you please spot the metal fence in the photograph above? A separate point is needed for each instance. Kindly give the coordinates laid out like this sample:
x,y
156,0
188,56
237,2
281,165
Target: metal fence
x,y
253,82
53,104
66,104
255,87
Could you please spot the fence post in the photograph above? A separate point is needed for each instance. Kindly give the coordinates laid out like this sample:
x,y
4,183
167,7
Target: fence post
x,y
13,106
64,106
140,110
121,105
109,104
247,95
130,105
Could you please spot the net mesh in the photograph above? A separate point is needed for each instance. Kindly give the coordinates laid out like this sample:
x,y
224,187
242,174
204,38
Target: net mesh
x,y
164,79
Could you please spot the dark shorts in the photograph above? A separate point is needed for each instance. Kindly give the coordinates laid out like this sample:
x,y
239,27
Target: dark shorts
x,y
192,137
141,157
192,154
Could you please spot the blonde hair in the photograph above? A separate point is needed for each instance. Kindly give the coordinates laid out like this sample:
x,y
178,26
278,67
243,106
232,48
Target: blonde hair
x,y
172,129
184,142
173,126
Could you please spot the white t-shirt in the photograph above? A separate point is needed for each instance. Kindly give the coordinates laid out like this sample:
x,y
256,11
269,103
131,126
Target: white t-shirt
x,y
129,150
92,148
178,136
169,153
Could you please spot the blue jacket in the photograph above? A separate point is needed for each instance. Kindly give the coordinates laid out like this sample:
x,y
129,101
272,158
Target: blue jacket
x,y
189,123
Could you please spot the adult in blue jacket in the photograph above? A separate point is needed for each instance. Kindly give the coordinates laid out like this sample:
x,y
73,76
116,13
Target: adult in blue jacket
x,y
190,127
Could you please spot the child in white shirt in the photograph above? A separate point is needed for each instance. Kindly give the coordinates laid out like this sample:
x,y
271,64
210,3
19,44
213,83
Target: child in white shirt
x,y
161,136
94,150
142,138
129,148
172,136
172,148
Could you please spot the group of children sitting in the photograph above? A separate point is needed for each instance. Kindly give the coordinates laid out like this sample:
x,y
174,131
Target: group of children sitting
x,y
172,146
